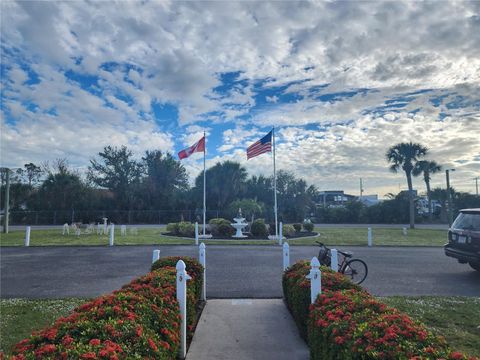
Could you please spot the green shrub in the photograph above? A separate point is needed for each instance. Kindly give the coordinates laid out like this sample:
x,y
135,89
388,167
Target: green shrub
x,y
308,227
288,230
193,267
173,228
195,270
346,322
186,228
141,320
220,227
296,290
297,227
259,228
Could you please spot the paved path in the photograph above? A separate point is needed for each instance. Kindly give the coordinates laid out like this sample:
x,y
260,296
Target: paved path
x,y
247,330
232,271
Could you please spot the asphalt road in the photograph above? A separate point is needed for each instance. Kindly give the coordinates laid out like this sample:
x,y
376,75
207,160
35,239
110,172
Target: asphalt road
x,y
232,271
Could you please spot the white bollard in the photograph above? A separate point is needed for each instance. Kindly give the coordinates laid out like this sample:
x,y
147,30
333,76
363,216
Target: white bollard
x,y
27,236
280,234
156,255
66,229
182,278
203,260
404,231
315,277
112,234
369,237
334,259
196,233
286,256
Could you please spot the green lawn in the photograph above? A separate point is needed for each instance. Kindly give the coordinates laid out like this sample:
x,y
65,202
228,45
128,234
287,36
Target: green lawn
x,y
455,318
153,236
20,317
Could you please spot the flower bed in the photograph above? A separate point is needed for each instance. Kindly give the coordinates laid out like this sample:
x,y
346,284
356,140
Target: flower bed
x,y
141,320
346,322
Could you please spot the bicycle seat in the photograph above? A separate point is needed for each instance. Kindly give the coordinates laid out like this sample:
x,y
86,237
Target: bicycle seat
x,y
346,253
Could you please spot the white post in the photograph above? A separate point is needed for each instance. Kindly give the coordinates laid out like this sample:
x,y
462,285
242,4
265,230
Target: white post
x,y
156,255
369,237
112,234
334,259
404,231
286,256
27,236
315,277
280,231
182,278
203,261
196,233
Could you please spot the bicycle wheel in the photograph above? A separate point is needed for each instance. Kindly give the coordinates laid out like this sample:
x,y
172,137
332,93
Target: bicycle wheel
x,y
356,270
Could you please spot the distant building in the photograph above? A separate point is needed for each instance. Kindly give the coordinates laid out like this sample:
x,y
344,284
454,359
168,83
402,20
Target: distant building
x,y
333,198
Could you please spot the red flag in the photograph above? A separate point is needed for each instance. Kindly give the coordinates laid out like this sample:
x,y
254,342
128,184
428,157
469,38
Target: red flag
x,y
199,146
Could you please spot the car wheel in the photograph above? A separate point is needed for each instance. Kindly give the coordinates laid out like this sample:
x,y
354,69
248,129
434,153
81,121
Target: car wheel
x,y
475,265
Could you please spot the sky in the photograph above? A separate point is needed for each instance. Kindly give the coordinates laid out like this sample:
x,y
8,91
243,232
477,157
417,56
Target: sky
x,y
341,82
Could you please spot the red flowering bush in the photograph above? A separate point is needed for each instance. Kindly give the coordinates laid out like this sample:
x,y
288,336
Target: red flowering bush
x,y
193,267
346,322
296,290
140,321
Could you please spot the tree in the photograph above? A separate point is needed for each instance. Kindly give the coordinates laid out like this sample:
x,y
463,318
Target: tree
x,y
427,168
118,172
225,183
63,189
165,179
30,174
405,156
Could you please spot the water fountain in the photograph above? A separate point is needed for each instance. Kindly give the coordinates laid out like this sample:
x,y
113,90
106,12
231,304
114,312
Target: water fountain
x,y
239,225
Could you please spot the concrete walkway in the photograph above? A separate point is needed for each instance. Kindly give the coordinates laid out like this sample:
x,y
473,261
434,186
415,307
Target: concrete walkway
x,y
247,329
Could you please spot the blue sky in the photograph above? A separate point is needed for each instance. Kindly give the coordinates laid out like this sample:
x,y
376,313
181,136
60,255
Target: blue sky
x,y
338,81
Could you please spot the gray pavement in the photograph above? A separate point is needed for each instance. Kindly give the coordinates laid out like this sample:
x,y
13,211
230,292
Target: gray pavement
x,y
232,271
247,329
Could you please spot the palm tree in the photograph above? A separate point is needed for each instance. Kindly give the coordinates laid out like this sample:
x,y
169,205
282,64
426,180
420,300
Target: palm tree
x,y
405,156
427,168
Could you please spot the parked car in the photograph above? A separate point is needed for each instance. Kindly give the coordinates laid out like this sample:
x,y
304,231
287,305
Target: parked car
x,y
464,238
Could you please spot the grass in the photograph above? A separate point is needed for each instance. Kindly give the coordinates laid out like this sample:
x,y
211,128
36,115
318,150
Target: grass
x,y
455,318
153,236
20,317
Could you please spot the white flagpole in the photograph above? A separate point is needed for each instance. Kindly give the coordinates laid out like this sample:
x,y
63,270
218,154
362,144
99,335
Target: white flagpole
x,y
204,185
275,186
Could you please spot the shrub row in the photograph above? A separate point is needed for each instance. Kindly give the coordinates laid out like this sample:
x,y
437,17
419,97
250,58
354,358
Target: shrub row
x,y
182,228
346,322
141,320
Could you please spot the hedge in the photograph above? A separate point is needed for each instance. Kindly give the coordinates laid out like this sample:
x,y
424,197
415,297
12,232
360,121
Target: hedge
x,y
141,320
346,322
221,227
296,290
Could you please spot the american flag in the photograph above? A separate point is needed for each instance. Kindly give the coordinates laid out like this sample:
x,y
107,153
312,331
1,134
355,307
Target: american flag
x,y
261,146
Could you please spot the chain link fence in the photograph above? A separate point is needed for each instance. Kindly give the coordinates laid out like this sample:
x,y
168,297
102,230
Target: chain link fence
x,y
61,217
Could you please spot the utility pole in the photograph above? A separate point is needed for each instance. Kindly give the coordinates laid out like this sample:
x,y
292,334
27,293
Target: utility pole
x,y
7,201
476,184
449,197
361,189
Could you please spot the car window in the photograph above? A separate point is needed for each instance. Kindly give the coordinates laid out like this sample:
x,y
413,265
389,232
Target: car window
x,y
467,222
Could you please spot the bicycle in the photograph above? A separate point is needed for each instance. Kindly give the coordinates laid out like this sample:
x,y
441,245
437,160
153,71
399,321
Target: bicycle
x,y
355,269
